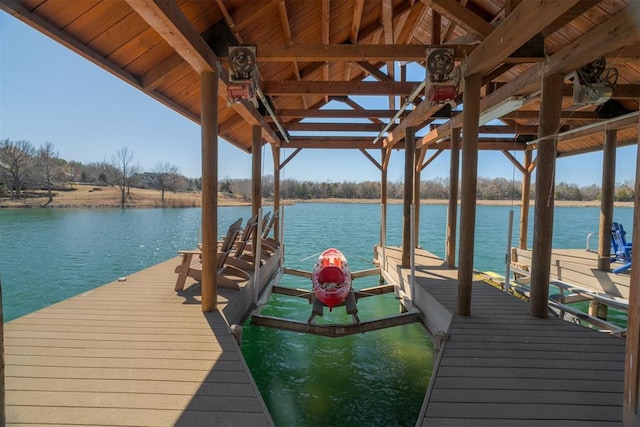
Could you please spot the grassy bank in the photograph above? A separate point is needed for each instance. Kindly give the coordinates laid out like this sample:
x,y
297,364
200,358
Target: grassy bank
x,y
88,196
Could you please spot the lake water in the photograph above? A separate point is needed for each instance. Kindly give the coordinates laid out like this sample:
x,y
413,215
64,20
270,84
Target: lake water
x,y
375,379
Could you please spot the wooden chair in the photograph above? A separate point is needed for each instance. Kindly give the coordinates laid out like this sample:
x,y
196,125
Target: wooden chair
x,y
192,266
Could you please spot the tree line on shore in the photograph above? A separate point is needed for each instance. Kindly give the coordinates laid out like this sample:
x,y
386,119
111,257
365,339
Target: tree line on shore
x,y
24,168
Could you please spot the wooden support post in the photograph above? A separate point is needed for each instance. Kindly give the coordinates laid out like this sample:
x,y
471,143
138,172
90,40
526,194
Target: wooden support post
x,y
209,126
526,198
276,190
631,404
383,192
597,309
416,196
550,108
256,178
606,201
452,212
471,119
409,169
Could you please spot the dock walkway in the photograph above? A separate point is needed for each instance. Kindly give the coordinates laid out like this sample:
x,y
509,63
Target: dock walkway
x,y
502,367
129,353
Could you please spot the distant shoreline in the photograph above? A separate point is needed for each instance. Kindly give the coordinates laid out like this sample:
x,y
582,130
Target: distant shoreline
x,y
88,196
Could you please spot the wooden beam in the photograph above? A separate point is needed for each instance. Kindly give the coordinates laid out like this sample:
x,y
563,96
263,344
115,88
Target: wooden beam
x,y
621,91
327,114
290,157
275,151
354,142
469,191
430,159
332,127
357,107
352,52
293,87
168,20
515,161
463,17
550,106
564,115
436,27
448,33
335,330
371,159
417,14
527,20
373,71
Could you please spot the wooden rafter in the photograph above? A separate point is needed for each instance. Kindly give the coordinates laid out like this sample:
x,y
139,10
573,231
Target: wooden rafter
x,y
387,27
169,21
463,17
371,158
325,20
451,26
229,21
284,21
612,34
373,71
519,27
357,18
416,15
252,13
357,107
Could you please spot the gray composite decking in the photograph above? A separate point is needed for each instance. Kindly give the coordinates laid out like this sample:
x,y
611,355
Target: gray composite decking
x,y
131,353
502,367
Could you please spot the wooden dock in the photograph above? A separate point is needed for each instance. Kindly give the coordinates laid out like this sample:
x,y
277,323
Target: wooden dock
x,y
502,367
129,353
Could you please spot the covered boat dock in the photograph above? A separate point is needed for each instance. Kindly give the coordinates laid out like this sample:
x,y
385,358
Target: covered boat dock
x,y
540,67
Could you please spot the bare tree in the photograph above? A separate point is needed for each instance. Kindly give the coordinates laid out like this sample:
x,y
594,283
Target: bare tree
x,y
47,158
124,170
166,177
16,164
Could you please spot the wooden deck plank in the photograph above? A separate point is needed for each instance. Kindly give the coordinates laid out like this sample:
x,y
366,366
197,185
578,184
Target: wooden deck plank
x,y
129,353
502,367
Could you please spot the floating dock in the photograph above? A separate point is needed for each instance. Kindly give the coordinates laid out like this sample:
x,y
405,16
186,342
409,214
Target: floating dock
x,y
502,367
136,353
129,353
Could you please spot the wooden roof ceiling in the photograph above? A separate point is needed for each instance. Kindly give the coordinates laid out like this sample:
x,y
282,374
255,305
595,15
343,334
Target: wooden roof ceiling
x,y
311,52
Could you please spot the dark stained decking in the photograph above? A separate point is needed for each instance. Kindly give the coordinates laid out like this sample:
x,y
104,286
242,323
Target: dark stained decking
x,y
129,353
502,367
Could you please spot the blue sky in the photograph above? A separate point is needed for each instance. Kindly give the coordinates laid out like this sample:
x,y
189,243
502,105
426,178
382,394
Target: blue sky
x,y
50,94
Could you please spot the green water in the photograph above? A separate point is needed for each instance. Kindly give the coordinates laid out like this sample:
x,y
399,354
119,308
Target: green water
x,y
374,379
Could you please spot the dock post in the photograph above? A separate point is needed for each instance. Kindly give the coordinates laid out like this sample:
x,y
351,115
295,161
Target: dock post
x,y
409,170
470,121
209,128
550,107
606,201
452,211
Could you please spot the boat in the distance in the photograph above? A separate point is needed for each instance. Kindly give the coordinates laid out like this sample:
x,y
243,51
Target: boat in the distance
x,y
331,278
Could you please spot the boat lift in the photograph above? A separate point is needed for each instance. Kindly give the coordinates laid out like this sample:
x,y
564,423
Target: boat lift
x,y
350,303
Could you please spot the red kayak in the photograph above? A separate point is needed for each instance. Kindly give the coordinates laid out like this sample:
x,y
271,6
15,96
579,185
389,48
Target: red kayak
x,y
331,278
